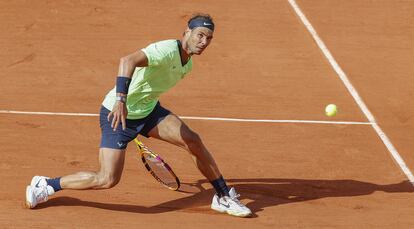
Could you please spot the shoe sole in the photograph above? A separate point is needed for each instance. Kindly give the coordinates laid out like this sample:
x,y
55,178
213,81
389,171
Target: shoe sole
x,y
239,215
230,212
218,209
28,196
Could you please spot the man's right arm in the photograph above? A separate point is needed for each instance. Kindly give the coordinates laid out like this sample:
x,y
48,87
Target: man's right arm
x,y
128,63
127,66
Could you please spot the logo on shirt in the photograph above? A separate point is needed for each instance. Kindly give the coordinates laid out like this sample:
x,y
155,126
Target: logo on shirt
x,y
205,23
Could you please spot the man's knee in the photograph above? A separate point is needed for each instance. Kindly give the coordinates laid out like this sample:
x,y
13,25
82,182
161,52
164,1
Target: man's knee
x,y
192,139
108,181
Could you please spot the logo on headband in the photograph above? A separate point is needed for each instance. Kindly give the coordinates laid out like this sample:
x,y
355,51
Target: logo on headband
x,y
201,22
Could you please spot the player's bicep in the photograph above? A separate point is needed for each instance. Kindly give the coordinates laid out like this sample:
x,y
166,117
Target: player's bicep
x,y
130,62
137,59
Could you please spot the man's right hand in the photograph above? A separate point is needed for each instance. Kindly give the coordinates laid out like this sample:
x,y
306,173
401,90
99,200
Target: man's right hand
x,y
120,112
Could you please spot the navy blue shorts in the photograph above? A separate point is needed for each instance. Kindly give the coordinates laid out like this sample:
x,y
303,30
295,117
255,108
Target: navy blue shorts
x,y
119,138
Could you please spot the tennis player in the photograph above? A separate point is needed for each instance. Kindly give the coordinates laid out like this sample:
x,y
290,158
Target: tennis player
x,y
132,108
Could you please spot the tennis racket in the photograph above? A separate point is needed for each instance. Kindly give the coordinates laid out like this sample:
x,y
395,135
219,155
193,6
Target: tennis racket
x,y
157,167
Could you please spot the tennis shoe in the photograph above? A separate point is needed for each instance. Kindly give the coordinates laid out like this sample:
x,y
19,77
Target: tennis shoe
x,y
39,181
38,191
37,195
230,205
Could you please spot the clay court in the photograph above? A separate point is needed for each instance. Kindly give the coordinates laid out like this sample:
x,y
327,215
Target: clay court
x,y
297,168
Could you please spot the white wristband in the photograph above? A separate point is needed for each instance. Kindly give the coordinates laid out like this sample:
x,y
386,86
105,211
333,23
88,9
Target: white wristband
x,y
121,99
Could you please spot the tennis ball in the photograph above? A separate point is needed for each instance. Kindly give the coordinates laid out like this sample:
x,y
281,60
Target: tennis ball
x,y
331,110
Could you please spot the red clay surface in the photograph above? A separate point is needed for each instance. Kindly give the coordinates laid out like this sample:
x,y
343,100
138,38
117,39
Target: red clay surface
x,y
262,64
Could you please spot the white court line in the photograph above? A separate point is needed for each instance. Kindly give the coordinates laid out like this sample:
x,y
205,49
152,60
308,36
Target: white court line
x,y
353,92
46,113
196,118
276,121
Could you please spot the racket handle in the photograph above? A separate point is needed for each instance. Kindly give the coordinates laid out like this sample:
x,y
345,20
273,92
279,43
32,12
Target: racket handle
x,y
139,144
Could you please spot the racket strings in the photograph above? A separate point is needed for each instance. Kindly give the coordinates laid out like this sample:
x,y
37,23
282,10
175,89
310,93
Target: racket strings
x,y
161,171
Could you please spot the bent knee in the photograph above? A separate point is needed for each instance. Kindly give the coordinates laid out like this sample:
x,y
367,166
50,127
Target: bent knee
x,y
191,139
108,182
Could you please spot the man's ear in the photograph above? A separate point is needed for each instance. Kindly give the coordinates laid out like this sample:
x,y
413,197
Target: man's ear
x,y
187,31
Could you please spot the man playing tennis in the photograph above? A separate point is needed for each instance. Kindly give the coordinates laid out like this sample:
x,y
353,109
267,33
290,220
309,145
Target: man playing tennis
x,y
132,108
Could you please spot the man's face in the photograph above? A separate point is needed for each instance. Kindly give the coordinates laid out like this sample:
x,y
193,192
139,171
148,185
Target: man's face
x,y
199,39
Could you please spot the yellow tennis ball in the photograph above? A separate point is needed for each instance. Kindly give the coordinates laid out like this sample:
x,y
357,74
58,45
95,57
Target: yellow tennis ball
x,y
331,110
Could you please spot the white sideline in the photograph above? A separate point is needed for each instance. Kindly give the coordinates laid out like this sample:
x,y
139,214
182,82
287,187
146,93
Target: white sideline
x,y
353,92
197,118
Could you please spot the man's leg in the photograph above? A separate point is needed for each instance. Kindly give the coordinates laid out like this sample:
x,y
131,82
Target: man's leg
x,y
111,161
111,165
173,130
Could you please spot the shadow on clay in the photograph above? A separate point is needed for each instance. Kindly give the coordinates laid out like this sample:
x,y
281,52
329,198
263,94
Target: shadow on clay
x,y
258,193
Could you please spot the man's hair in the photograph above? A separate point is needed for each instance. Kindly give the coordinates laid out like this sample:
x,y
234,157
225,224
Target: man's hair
x,y
200,15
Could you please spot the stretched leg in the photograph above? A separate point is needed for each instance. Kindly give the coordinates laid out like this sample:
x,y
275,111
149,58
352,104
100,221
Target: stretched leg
x,y
111,165
173,130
